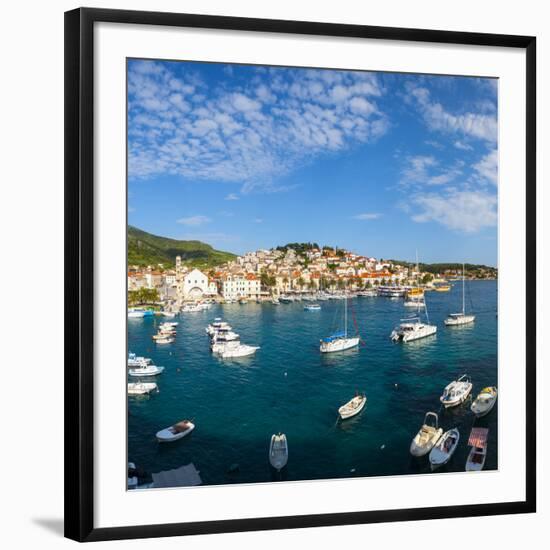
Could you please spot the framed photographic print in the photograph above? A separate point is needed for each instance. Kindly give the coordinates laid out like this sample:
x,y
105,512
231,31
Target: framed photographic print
x,y
300,274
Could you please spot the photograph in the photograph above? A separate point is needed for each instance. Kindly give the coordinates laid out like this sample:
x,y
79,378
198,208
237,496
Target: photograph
x,y
312,274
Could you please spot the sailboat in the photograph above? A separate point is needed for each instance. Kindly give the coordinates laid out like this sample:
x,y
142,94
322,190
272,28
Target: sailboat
x,y
413,328
339,341
415,295
455,319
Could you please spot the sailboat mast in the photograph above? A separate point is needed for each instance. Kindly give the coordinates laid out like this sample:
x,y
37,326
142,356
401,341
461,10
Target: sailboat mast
x,y
345,314
463,300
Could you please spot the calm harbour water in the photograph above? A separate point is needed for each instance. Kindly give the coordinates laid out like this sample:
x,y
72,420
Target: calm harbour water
x,y
289,386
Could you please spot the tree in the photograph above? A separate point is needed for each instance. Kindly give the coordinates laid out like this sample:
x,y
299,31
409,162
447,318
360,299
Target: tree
x,y
427,278
340,284
300,282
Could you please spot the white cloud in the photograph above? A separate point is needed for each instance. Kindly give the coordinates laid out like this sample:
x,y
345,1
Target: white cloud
x,y
425,170
258,220
462,146
283,119
368,216
477,125
487,167
194,221
232,197
461,211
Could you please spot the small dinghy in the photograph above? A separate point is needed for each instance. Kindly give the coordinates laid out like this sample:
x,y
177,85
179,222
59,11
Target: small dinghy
x,y
135,361
427,436
478,452
164,340
456,392
146,370
141,388
175,432
485,401
278,451
444,448
353,406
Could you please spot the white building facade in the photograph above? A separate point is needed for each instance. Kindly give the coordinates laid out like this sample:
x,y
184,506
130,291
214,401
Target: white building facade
x,y
235,287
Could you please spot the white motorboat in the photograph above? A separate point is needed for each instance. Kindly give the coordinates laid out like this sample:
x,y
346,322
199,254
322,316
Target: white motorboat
x,y
137,361
415,303
312,307
169,314
478,453
217,325
191,308
146,370
485,401
353,406
340,341
427,436
224,336
175,432
164,340
456,392
275,301
141,388
457,319
166,329
444,448
240,350
278,451
286,299
136,313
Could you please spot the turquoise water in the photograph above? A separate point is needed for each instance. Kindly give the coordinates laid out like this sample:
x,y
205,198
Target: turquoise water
x,y
289,386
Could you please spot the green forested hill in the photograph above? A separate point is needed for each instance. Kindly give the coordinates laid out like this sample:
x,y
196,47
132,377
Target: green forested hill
x,y
147,249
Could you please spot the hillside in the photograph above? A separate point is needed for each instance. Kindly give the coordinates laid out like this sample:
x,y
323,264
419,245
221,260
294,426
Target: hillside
x,y
471,270
147,249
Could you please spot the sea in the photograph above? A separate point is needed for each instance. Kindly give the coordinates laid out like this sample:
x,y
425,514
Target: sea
x,y
289,386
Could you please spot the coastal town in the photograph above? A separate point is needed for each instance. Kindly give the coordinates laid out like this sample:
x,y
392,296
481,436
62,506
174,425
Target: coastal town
x,y
300,268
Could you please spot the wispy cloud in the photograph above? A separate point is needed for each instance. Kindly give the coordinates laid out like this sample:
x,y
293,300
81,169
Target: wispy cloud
x,y
487,167
462,145
461,211
480,125
368,216
194,221
425,170
251,134
232,197
258,220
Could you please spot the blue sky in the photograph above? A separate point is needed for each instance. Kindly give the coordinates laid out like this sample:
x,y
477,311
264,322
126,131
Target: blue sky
x,y
247,157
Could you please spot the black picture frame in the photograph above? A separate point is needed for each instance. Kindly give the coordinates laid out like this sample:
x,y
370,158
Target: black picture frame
x,y
79,268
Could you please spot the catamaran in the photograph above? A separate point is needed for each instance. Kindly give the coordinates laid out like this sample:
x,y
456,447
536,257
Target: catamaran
x,y
413,328
455,319
339,341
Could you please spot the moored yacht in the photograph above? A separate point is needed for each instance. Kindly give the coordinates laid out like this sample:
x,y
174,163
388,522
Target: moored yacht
x,y
145,370
236,349
412,329
340,341
456,319
456,392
